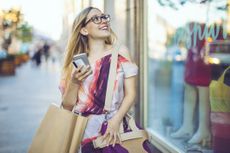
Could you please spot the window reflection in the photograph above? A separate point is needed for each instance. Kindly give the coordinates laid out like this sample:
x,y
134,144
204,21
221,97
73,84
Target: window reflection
x,y
188,47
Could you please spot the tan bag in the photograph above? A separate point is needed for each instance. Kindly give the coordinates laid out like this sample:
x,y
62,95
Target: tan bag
x,y
60,131
132,140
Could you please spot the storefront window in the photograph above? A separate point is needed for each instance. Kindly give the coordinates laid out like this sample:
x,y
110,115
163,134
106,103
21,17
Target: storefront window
x,y
188,47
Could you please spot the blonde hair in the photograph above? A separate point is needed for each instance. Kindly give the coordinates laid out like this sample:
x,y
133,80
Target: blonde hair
x,y
78,43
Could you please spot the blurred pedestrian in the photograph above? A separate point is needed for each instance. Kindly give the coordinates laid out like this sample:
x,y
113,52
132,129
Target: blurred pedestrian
x,y
46,51
86,86
37,56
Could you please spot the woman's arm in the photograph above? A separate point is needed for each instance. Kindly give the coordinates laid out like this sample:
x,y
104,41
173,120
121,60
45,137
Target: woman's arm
x,y
69,97
128,101
129,90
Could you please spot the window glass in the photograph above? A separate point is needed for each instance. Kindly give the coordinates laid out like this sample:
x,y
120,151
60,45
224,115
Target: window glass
x,y
188,47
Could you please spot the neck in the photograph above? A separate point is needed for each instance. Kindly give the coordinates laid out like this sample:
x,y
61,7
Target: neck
x,y
97,46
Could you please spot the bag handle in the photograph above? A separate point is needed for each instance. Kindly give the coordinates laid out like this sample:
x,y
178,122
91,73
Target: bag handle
x,y
111,78
131,123
110,88
221,79
141,134
136,133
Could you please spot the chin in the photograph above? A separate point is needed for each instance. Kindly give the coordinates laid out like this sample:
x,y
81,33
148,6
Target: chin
x,y
101,35
104,35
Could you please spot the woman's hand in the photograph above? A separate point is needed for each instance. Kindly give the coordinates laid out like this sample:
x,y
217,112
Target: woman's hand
x,y
112,131
80,74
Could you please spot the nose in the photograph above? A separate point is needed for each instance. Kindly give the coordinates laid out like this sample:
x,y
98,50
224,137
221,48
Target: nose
x,y
104,20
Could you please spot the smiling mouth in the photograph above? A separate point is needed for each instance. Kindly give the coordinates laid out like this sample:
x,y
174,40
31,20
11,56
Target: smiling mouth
x,y
104,28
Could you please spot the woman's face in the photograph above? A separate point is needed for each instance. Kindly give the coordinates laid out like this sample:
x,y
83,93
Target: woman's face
x,y
97,25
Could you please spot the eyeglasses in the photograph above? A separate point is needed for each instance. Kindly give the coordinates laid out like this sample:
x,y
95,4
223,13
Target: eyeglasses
x,y
98,19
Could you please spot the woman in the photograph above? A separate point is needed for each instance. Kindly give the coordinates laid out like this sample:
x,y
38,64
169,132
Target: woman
x,y
86,86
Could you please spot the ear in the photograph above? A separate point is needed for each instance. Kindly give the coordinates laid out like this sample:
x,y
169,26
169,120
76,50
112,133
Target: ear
x,y
84,31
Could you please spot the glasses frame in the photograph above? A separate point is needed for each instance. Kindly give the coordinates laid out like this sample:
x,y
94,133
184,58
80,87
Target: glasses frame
x,y
101,17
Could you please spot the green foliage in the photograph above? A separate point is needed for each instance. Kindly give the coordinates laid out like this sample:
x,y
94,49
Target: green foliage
x,y
24,32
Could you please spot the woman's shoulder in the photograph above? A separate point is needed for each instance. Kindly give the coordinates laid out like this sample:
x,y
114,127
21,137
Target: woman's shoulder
x,y
129,67
124,52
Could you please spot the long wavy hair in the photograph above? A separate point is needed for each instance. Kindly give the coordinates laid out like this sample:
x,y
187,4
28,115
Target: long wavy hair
x,y
78,43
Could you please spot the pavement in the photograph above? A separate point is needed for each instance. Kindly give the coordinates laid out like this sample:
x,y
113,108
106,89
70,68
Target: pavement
x,y
24,99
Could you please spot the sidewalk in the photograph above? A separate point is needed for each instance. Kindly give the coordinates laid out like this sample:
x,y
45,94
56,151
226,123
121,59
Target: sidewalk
x,y
24,98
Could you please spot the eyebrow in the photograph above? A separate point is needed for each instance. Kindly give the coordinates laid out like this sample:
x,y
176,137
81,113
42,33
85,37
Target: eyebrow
x,y
97,15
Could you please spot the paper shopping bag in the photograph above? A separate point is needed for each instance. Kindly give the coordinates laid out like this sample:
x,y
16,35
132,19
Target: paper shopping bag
x,y
60,131
220,94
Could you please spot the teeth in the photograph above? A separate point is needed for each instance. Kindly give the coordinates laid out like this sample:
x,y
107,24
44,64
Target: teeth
x,y
104,28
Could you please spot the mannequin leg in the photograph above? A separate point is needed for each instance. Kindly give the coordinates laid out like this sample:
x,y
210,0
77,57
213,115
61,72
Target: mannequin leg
x,y
190,99
203,134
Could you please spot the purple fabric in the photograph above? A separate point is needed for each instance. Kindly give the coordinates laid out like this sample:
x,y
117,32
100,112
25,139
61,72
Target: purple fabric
x,y
101,86
99,101
100,91
88,148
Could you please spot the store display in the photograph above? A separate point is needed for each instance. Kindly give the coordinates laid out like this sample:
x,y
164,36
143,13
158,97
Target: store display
x,y
197,78
220,114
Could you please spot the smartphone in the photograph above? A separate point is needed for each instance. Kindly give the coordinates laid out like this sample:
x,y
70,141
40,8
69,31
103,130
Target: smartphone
x,y
80,59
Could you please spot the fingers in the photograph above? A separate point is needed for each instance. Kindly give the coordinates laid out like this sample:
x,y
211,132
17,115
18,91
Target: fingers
x,y
119,138
82,70
105,137
114,139
81,73
78,69
85,73
110,138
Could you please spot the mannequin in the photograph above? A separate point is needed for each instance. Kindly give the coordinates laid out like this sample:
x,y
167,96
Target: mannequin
x,y
195,95
197,79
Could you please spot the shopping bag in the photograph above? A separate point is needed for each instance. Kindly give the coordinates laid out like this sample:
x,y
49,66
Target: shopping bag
x,y
220,132
220,114
132,140
220,94
60,131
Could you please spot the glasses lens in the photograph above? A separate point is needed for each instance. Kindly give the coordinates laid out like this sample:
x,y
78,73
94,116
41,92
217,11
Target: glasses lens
x,y
106,17
96,19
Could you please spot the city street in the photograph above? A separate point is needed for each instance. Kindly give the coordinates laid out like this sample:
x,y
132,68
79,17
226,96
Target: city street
x,y
24,99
